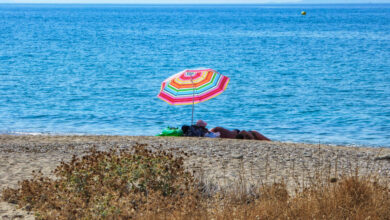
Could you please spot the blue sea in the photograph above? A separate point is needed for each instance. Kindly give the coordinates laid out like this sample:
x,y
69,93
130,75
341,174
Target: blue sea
x,y
97,69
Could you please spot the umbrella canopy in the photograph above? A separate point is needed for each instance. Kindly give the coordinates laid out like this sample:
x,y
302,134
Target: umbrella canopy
x,y
190,87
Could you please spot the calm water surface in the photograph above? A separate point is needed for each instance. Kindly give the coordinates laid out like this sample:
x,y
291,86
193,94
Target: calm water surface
x,y
96,69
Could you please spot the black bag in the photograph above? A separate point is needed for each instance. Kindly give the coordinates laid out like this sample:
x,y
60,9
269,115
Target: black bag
x,y
194,131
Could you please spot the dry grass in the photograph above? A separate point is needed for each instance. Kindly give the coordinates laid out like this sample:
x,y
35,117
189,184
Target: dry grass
x,y
350,198
140,184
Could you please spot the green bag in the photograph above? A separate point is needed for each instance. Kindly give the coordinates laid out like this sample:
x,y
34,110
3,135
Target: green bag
x,y
171,132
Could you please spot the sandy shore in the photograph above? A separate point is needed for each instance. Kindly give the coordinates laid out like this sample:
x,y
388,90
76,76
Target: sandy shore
x,y
220,163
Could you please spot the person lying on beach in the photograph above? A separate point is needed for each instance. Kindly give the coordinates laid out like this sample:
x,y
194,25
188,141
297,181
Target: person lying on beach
x,y
237,134
200,130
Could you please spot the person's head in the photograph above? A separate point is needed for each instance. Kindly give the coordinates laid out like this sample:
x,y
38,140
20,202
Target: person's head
x,y
201,123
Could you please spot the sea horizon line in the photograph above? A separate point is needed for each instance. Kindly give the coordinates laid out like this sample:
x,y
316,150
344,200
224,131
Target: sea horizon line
x,y
266,4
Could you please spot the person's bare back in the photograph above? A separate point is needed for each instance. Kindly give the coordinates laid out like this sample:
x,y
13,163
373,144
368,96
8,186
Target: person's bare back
x,y
225,133
236,134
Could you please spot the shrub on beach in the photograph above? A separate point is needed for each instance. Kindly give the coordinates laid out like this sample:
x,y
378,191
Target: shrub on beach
x,y
143,184
110,184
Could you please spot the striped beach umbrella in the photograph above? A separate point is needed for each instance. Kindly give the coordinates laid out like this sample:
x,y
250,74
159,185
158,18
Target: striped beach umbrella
x,y
190,87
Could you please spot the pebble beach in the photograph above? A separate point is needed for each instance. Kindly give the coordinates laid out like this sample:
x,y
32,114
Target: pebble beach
x,y
220,164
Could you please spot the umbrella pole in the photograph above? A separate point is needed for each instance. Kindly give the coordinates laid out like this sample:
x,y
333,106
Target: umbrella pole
x,y
193,101
192,119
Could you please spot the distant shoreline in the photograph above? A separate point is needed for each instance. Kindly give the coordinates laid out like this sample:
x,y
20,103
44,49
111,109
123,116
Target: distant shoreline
x,y
203,4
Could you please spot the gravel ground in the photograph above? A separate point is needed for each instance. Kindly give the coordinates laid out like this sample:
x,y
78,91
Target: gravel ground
x,y
219,163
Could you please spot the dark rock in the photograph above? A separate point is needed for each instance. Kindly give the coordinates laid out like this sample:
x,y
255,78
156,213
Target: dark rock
x,y
385,157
